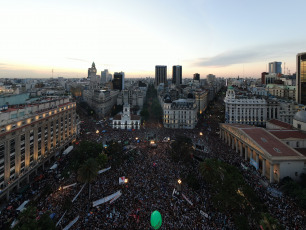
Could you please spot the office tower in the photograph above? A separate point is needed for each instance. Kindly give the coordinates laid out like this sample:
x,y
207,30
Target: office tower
x,y
38,133
263,77
211,78
160,75
275,67
177,75
301,78
92,71
104,75
118,82
196,77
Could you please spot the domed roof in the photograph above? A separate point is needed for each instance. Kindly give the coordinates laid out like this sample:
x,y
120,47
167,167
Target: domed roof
x,y
300,116
190,95
167,98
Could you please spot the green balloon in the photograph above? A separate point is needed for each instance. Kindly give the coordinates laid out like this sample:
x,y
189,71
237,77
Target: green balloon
x,y
156,220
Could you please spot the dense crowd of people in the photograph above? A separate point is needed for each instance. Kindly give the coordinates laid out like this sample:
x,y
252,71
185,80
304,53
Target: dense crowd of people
x,y
152,177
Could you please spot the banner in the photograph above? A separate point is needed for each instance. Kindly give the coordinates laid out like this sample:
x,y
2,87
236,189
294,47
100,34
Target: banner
x,y
115,198
71,223
254,163
244,167
103,170
78,193
67,186
204,214
187,199
106,199
61,218
121,180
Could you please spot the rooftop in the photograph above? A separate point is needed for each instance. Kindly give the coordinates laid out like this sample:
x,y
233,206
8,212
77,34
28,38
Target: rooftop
x,y
281,124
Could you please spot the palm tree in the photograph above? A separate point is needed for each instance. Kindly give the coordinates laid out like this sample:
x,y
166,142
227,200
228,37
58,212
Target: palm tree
x,y
88,172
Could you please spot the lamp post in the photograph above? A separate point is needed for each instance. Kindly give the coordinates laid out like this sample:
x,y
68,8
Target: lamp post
x,y
179,187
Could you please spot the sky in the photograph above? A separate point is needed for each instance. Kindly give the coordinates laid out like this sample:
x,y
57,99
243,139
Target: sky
x,y
221,37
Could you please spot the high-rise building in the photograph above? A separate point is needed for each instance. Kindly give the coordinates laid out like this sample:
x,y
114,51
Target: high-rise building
x,y
160,75
31,136
118,82
92,71
177,75
211,78
104,76
301,78
196,77
275,67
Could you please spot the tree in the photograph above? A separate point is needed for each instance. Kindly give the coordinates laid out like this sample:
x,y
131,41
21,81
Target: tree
x,y
102,159
27,220
181,149
269,223
88,173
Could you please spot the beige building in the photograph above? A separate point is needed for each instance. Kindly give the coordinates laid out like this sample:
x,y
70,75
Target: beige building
x,y
270,155
282,91
32,135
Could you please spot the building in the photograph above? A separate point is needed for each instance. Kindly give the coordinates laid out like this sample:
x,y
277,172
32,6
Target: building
x,y
31,136
196,77
275,67
177,75
92,71
211,78
126,120
299,120
301,78
132,96
282,91
201,97
118,82
179,114
271,156
160,75
251,111
101,101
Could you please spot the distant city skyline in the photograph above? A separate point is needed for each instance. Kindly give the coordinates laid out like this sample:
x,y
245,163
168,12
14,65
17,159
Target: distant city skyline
x,y
224,38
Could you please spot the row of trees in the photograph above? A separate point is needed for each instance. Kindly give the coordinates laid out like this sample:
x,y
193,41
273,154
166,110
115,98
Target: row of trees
x,y
151,107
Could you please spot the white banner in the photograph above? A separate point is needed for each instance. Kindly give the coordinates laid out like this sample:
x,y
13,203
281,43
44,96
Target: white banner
x,y
115,198
78,193
61,218
67,186
71,223
187,199
106,199
103,170
121,180
204,214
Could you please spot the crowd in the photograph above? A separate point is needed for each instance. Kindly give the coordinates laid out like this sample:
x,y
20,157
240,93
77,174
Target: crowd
x,y
152,177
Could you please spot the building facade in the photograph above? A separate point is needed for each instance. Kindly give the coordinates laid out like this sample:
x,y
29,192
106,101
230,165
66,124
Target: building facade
x,y
177,75
132,96
30,137
301,78
275,67
179,114
160,75
126,120
92,71
118,82
196,77
272,157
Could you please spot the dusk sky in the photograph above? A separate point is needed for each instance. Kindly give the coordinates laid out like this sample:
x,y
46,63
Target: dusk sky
x,y
225,38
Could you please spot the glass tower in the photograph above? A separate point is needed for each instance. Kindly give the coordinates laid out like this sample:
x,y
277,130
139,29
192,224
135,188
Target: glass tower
x,y
301,78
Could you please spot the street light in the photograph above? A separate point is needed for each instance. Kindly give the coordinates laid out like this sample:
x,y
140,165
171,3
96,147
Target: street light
x,y
201,134
179,181
136,138
97,131
125,180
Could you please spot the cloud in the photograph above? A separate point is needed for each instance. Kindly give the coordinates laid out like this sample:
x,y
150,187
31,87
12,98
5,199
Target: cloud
x,y
251,54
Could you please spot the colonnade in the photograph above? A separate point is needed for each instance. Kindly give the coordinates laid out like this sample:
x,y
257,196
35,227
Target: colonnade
x,y
250,154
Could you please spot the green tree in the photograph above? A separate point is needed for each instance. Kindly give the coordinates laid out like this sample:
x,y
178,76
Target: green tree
x,y
269,223
102,159
181,149
27,220
88,173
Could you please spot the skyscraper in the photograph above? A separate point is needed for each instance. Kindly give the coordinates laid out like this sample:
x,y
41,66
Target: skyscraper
x,y
118,82
301,78
92,71
196,77
177,75
275,67
160,74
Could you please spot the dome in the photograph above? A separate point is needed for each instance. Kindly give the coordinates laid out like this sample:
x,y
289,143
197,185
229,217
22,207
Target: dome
x,y
190,95
167,98
300,116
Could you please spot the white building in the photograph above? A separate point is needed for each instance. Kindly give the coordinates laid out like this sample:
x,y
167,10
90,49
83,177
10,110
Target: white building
x,y
299,120
133,96
179,114
126,120
252,111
